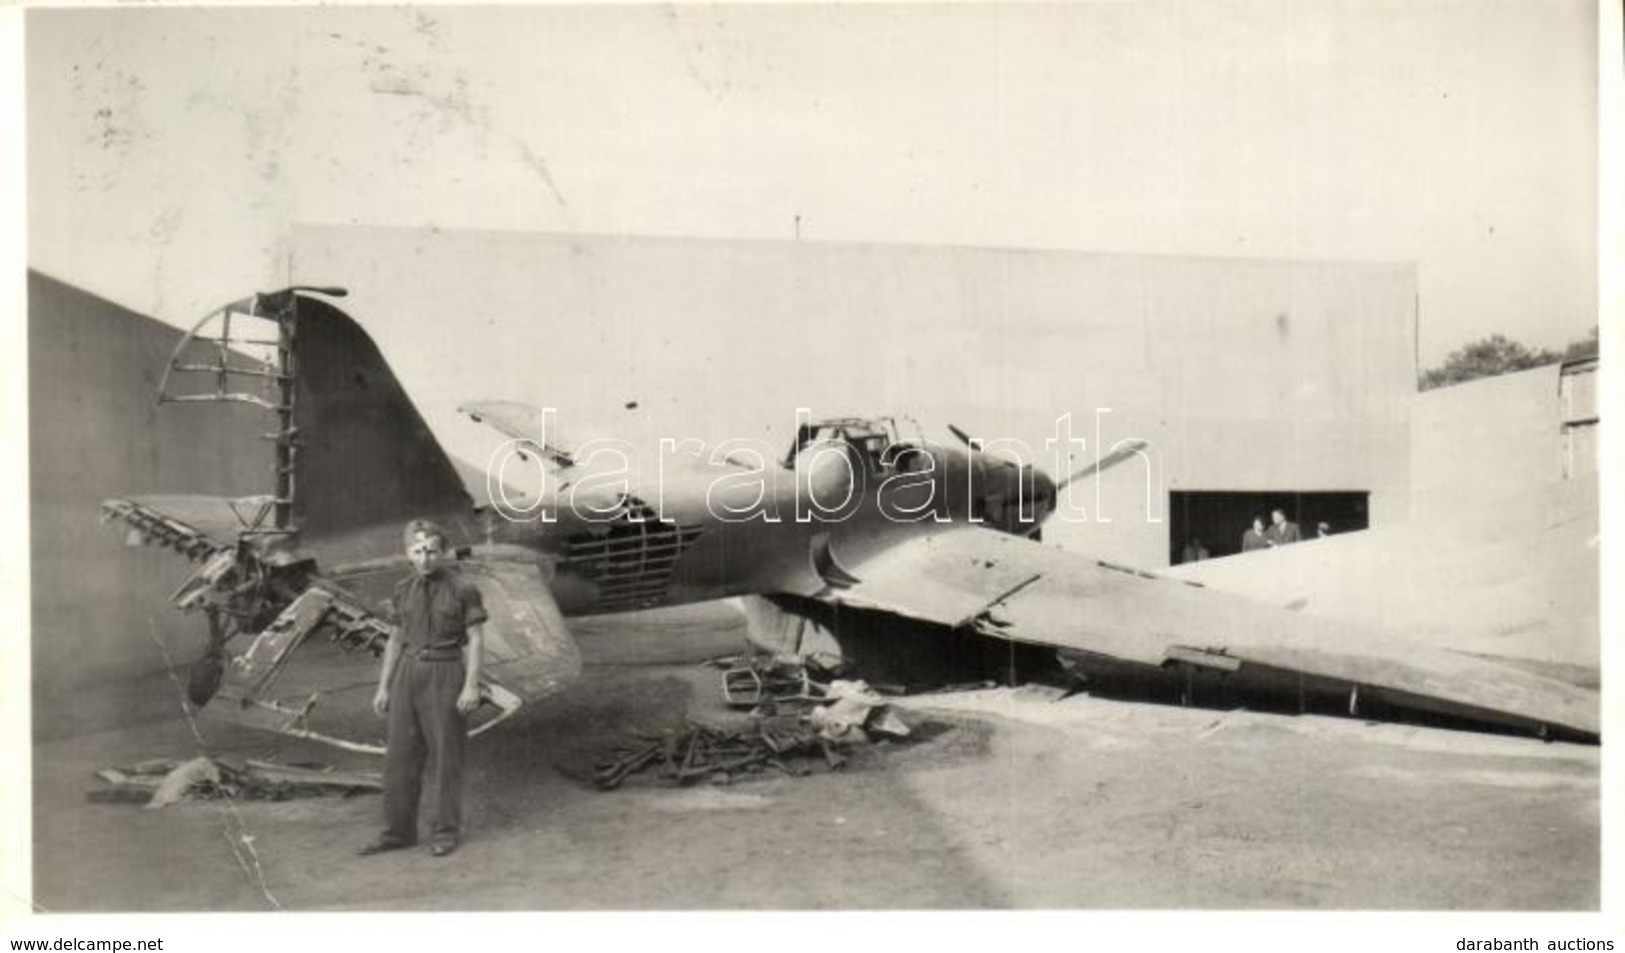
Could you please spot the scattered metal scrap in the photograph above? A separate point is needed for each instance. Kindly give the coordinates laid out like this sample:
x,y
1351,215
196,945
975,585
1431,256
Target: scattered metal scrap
x,y
701,752
161,782
797,721
855,715
765,680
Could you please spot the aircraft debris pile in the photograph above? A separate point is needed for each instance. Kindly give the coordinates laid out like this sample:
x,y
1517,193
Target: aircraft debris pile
x,y
854,714
766,681
702,752
161,782
843,710
786,741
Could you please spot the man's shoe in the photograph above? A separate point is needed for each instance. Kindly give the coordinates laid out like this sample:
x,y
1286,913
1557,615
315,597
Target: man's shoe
x,y
381,845
441,848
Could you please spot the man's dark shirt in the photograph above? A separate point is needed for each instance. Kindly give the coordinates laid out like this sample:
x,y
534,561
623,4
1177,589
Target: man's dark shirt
x,y
436,610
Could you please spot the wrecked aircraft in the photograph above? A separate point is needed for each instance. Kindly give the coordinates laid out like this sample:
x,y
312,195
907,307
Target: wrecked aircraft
x,y
890,531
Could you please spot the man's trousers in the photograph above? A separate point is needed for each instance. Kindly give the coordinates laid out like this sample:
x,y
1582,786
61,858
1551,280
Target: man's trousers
x,y
425,731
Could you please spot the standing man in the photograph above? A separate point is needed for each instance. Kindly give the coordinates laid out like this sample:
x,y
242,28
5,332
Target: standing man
x,y
429,683
1282,530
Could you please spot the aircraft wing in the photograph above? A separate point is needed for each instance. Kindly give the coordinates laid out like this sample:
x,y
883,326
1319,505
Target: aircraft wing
x,y
1106,617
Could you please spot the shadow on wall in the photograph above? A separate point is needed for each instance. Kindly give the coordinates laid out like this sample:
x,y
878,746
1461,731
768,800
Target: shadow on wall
x,y
95,431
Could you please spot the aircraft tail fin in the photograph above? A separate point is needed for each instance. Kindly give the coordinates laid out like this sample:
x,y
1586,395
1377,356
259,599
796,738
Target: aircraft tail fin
x,y
354,458
364,455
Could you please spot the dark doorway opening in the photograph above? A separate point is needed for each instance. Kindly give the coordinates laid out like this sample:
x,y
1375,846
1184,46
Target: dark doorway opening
x,y
1208,524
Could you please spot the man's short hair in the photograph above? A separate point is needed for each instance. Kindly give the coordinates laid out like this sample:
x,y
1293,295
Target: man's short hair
x,y
426,528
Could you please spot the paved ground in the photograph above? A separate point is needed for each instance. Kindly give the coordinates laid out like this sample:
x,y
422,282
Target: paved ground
x,y
1016,800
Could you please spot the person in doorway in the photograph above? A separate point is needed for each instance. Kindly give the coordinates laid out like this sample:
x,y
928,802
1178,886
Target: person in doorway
x,y
1194,551
1253,537
1323,530
428,686
1282,530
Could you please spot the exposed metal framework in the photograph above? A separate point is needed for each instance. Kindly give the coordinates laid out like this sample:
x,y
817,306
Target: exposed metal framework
x,y
632,562
212,367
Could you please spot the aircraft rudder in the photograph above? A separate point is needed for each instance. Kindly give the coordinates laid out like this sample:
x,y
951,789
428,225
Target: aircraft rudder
x,y
364,454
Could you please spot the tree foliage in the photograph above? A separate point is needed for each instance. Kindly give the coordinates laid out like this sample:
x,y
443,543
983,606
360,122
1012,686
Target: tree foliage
x,y
1583,348
1497,355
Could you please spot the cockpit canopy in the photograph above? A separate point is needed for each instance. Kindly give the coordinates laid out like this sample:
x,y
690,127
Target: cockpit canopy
x,y
874,440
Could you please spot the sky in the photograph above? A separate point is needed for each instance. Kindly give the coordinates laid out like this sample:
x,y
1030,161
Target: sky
x,y
170,151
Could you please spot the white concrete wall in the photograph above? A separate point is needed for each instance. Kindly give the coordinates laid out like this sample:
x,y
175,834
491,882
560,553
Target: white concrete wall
x,y
1243,374
100,610
1492,441
1500,553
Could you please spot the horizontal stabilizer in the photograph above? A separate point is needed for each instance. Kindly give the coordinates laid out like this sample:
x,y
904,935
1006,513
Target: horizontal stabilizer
x,y
304,675
194,526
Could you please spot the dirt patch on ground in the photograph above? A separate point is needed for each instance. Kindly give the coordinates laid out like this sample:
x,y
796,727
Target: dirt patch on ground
x,y
1010,799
